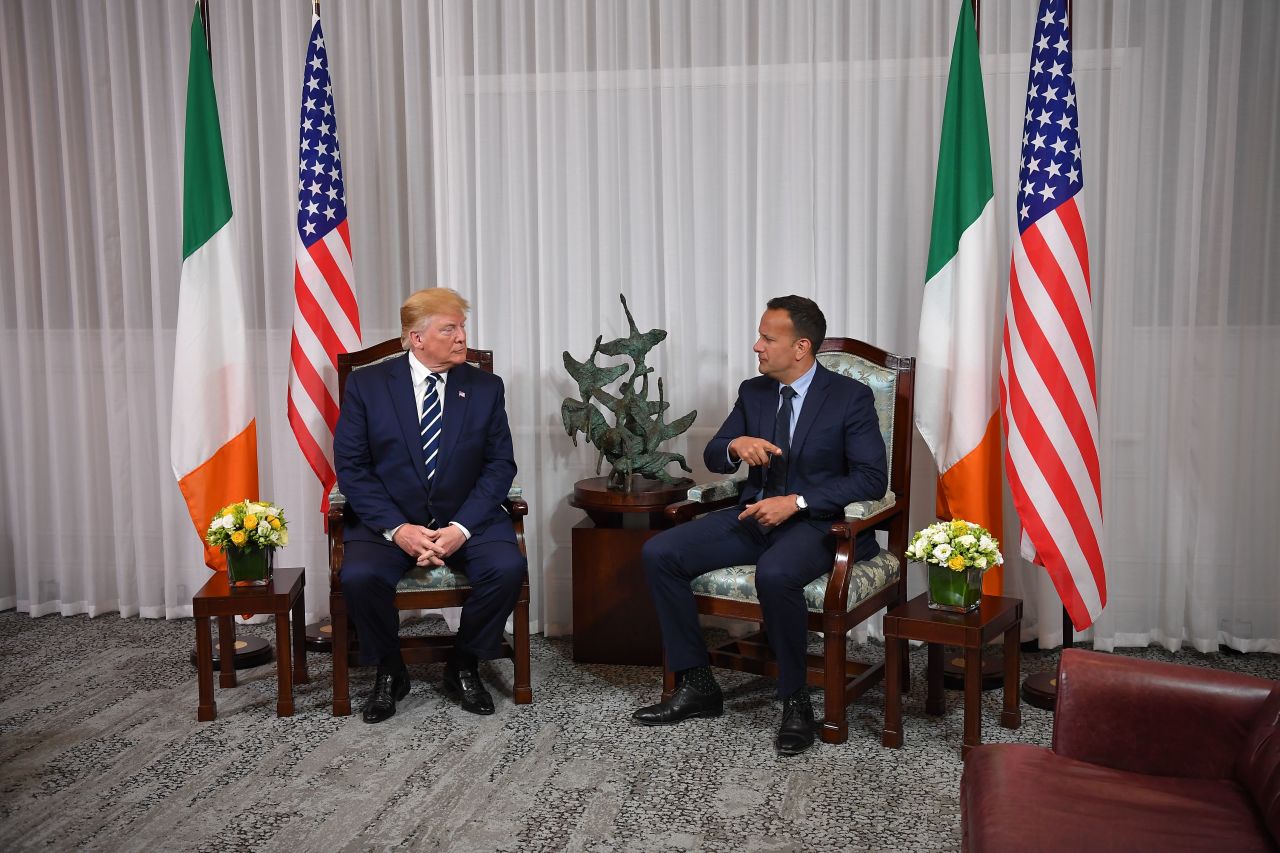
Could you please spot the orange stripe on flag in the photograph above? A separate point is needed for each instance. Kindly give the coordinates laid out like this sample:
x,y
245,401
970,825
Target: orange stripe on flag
x,y
971,489
229,475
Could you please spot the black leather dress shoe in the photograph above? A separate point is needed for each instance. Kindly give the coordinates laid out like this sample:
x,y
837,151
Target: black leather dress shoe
x,y
796,733
683,704
467,686
388,688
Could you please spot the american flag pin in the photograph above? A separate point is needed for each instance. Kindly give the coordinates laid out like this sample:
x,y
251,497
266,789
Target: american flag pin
x,y
462,394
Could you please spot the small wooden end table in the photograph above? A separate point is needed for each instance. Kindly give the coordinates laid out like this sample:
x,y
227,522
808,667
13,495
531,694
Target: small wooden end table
x,y
219,599
915,620
614,620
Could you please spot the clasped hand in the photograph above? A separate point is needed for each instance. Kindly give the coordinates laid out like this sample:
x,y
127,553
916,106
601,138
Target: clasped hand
x,y
429,547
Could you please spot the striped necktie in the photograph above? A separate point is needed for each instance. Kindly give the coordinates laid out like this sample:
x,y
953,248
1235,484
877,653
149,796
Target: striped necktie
x,y
431,424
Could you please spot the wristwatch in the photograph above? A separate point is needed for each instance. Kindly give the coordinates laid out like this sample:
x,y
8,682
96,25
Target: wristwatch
x,y
801,503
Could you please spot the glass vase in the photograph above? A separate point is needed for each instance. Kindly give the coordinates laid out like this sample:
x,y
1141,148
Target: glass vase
x,y
956,592
249,566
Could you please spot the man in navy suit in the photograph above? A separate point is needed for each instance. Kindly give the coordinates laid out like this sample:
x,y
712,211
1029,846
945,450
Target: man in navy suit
x,y
423,454
813,444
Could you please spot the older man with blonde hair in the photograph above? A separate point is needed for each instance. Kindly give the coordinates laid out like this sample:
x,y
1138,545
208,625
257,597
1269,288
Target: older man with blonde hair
x,y
423,453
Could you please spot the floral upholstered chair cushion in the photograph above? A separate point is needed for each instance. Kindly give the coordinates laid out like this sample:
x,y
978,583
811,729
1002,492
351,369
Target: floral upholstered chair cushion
x,y
738,583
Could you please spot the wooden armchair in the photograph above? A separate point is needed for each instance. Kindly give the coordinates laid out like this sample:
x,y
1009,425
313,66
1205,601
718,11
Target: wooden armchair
x,y
421,588
852,591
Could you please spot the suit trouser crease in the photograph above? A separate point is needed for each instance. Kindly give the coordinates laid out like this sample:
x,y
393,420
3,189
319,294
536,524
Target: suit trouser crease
x,y
494,567
786,559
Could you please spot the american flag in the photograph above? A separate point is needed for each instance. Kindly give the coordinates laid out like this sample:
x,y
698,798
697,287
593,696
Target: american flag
x,y
1048,390
326,319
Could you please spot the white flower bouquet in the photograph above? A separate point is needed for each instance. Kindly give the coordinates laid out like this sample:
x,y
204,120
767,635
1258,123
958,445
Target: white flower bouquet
x,y
957,552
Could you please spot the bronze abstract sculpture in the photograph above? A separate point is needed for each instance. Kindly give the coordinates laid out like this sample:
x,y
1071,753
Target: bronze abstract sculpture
x,y
631,444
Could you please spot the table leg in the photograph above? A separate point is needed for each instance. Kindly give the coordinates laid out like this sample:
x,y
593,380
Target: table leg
x,y
207,709
972,699
300,674
226,651
893,653
1011,717
935,701
284,667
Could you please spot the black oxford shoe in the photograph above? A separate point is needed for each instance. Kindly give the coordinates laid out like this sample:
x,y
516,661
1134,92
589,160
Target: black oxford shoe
x,y
683,704
467,686
388,688
796,733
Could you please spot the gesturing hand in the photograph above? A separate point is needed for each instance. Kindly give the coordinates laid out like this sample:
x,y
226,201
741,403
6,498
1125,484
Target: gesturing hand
x,y
752,450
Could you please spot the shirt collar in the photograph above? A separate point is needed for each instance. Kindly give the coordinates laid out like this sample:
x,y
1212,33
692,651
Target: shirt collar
x,y
801,385
419,372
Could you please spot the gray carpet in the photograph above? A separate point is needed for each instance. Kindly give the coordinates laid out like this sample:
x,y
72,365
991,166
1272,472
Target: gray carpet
x,y
100,749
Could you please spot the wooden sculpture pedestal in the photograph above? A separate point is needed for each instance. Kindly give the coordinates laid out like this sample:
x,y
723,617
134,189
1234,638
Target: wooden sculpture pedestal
x,y
614,620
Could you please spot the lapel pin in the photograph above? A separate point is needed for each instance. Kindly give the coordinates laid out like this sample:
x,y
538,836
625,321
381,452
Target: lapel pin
x,y
462,394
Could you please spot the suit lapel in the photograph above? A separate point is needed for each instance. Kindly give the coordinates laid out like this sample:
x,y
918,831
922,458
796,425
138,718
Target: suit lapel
x,y
457,395
813,400
400,387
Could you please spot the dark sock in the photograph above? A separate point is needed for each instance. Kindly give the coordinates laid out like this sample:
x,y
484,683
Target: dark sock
x,y
700,679
461,659
392,664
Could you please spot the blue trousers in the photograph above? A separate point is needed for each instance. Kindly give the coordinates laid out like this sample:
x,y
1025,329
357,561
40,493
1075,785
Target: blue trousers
x,y
492,563
787,558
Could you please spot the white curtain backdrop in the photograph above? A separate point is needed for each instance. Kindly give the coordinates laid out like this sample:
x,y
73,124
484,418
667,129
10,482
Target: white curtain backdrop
x,y
700,157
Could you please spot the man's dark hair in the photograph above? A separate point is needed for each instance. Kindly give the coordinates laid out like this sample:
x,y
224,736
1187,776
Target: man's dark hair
x,y
806,317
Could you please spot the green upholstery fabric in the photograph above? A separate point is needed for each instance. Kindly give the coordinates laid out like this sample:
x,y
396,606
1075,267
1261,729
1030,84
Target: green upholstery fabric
x,y
422,578
738,583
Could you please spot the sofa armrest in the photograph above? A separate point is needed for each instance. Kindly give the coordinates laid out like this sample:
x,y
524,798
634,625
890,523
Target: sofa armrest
x,y
1150,717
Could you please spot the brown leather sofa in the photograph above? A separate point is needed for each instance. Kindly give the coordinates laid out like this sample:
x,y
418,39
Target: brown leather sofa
x,y
1145,756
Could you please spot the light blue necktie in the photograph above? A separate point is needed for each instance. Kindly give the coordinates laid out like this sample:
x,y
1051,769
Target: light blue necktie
x,y
431,424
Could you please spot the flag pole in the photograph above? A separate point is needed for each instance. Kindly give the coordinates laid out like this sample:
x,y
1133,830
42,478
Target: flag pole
x,y
204,22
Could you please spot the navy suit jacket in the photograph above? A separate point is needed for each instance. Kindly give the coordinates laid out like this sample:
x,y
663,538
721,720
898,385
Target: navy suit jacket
x,y
377,450
837,452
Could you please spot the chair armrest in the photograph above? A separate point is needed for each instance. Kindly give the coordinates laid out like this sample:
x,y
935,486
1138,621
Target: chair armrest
x,y
515,503
859,510
704,498
1151,717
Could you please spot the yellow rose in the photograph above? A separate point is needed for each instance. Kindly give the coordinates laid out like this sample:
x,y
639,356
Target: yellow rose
x,y
239,537
956,562
959,527
250,522
275,523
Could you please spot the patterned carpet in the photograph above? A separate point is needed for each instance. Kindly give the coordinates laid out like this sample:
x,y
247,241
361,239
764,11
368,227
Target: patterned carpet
x,y
100,749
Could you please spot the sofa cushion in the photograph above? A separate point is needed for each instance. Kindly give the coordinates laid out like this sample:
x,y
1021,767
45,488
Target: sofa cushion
x,y
1258,767
1017,797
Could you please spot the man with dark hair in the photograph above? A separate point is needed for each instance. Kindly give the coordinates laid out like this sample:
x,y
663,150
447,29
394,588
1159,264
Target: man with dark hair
x,y
813,444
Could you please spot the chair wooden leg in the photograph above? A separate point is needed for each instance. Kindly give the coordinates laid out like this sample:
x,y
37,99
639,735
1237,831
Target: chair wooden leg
x,y
668,679
835,725
522,690
341,682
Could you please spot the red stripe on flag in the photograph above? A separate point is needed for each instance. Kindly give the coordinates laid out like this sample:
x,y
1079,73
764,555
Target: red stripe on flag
x,y
313,453
1069,213
313,383
1046,360
1054,280
1051,465
315,317
342,288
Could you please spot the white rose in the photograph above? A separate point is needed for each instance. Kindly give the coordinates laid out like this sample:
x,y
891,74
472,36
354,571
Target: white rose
x,y
986,544
263,528
940,537
228,522
942,552
966,540
981,562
